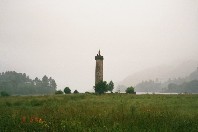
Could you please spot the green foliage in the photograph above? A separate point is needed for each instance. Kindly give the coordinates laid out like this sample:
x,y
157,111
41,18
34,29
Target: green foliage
x,y
108,112
45,81
4,94
67,90
110,86
52,83
130,90
20,84
101,87
76,91
59,92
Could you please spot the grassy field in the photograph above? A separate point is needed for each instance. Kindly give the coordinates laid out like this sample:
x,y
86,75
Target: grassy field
x,y
110,112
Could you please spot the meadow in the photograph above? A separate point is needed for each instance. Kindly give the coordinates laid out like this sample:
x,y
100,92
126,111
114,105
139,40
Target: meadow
x,y
99,113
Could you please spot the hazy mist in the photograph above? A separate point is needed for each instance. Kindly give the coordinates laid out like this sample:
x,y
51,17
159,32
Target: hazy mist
x,y
60,38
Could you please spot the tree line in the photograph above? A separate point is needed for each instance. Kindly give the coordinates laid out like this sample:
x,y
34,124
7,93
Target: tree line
x,y
176,85
15,83
186,87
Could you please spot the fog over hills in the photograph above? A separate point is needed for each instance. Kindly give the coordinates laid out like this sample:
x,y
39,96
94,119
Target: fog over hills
x,y
61,39
161,72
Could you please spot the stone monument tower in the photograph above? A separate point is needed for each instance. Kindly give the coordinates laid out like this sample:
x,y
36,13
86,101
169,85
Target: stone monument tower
x,y
99,68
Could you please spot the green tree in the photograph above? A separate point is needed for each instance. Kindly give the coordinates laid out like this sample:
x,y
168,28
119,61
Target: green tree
x,y
53,84
101,87
76,91
50,82
130,90
67,90
111,86
37,82
45,81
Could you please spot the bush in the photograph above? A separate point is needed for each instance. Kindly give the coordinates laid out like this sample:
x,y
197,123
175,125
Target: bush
x,y
130,90
76,92
59,92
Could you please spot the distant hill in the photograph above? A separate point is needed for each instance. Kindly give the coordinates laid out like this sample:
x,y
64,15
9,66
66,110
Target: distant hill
x,y
161,73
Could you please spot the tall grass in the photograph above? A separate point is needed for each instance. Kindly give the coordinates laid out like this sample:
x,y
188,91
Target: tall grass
x,y
110,112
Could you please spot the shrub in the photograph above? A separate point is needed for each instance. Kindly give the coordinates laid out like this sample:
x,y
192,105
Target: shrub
x,y
59,92
76,91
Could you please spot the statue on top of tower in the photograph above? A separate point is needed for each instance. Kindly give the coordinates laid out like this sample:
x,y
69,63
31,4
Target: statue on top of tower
x,y
99,52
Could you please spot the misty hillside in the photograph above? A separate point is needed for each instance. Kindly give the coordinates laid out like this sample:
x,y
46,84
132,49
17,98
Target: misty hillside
x,y
162,73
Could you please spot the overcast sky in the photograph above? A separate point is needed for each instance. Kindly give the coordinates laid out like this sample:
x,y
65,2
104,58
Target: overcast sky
x,y
60,38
